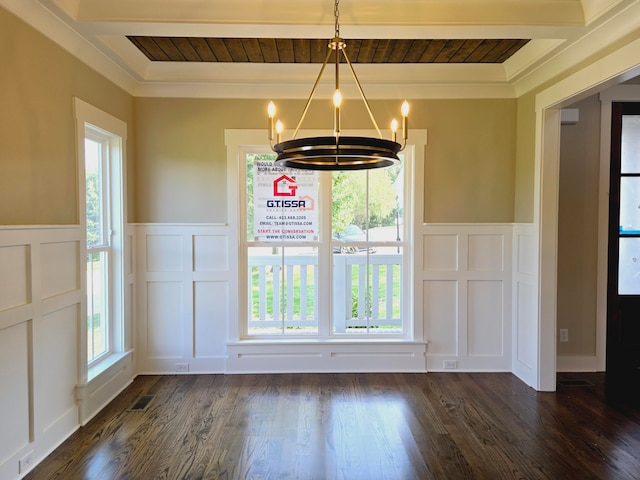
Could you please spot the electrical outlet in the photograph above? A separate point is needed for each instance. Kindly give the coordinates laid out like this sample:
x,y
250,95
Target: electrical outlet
x,y
450,364
182,367
564,335
25,463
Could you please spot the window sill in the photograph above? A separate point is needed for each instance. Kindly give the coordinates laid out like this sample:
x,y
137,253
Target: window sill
x,y
106,364
327,341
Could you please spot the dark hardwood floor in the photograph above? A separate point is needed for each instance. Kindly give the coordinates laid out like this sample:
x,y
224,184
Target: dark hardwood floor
x,y
353,426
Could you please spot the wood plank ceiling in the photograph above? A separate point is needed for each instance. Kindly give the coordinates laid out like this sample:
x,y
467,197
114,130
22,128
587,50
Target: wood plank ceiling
x,y
294,50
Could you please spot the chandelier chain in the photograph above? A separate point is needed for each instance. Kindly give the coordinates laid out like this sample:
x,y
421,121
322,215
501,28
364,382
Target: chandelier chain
x,y
336,14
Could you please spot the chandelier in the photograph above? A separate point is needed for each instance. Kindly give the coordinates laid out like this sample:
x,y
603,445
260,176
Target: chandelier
x,y
336,152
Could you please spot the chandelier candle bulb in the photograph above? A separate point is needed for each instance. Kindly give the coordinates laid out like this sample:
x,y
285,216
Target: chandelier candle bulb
x,y
405,119
279,130
394,129
337,101
271,111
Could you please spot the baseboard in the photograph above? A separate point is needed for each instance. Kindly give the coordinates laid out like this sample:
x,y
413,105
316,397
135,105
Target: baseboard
x,y
579,363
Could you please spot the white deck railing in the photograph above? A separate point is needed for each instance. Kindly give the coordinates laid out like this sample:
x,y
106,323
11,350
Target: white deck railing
x,y
285,291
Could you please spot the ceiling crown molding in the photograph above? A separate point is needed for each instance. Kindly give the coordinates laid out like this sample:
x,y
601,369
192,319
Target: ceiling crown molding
x,y
564,33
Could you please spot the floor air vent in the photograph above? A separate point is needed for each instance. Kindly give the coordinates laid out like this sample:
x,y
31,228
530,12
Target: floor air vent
x,y
575,383
142,403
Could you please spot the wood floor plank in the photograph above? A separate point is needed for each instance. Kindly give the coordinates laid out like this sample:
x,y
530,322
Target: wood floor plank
x,y
353,426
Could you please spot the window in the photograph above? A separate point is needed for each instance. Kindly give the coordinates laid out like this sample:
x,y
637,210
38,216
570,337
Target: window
x,y
96,161
629,230
325,251
100,172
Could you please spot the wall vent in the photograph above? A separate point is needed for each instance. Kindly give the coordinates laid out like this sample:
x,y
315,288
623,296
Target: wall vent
x,y
575,383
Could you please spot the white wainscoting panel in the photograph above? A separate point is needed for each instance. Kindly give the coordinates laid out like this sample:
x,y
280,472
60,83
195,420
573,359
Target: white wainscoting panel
x,y
210,253
485,318
164,332
467,296
184,293
164,253
60,268
56,341
441,317
40,345
525,304
16,391
440,253
14,276
486,253
211,308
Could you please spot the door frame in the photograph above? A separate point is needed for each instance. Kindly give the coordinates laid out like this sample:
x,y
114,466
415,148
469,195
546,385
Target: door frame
x,y
597,77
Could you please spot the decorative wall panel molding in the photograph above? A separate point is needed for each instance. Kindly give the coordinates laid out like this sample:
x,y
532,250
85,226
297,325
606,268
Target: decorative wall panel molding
x,y
39,313
187,294
184,292
41,364
525,302
466,291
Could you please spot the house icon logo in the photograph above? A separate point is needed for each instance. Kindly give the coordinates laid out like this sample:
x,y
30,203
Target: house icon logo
x,y
284,186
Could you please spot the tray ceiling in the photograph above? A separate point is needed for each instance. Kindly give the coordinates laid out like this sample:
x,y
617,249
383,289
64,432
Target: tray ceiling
x,y
253,48
299,50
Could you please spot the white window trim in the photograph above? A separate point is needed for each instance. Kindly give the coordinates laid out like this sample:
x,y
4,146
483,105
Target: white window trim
x,y
238,141
116,130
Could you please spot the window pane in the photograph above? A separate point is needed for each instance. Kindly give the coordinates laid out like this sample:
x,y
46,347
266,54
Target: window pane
x,y
97,328
630,205
349,203
367,292
95,195
630,160
385,204
368,201
283,291
629,267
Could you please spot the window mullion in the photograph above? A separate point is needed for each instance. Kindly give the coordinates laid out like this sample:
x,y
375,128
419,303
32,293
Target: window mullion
x,y
325,260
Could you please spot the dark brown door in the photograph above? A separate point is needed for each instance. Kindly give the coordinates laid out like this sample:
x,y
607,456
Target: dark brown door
x,y
623,307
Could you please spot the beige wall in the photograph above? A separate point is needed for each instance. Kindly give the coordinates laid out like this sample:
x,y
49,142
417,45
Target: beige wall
x,y
181,156
37,133
578,229
470,160
525,160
